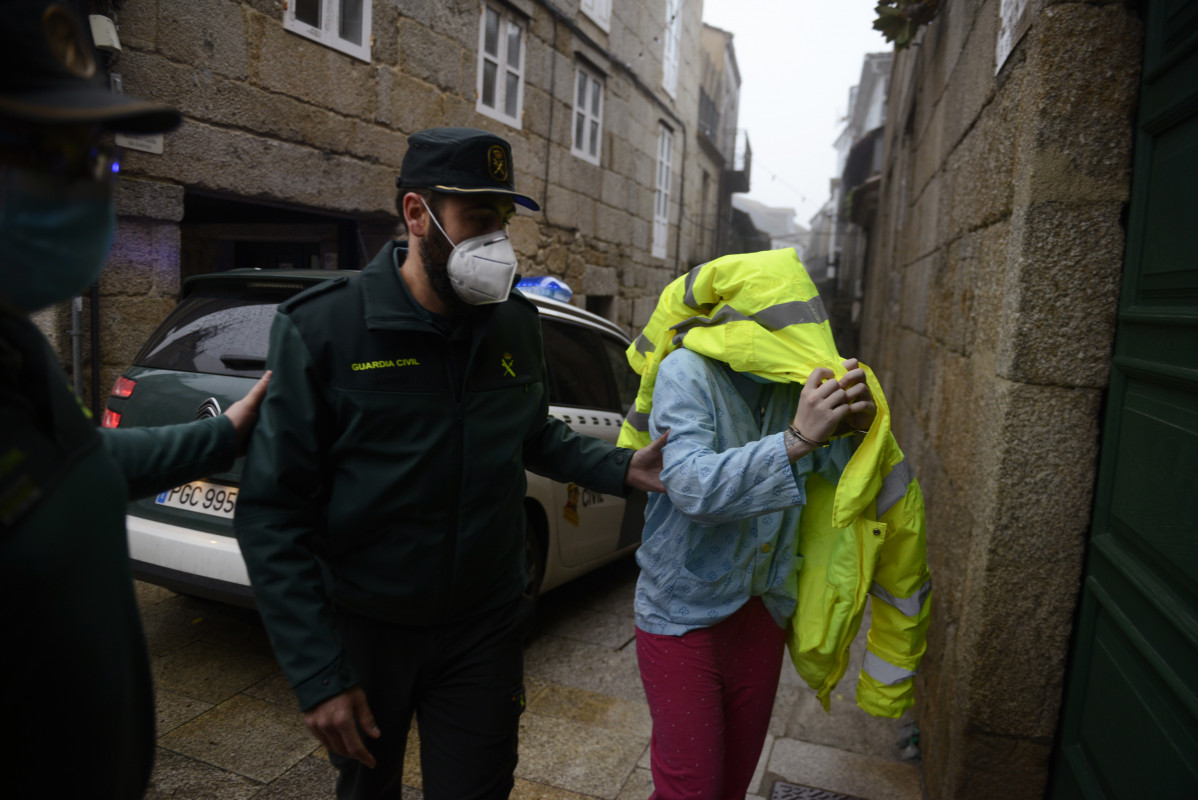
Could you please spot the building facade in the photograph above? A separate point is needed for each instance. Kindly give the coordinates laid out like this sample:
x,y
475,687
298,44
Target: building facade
x,y
841,229
296,116
723,142
777,223
824,242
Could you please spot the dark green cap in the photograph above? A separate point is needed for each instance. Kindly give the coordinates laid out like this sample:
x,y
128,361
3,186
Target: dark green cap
x,y
49,74
460,161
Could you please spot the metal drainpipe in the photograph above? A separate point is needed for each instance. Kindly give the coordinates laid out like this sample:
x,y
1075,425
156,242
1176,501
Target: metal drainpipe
x,y
77,345
552,103
681,209
95,351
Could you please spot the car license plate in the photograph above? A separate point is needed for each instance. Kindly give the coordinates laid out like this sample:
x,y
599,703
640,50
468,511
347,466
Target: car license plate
x,y
202,497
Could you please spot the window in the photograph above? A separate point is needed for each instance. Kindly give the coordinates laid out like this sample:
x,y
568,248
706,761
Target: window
x,y
500,66
340,24
600,304
709,117
669,53
588,115
661,199
628,383
580,372
219,331
599,11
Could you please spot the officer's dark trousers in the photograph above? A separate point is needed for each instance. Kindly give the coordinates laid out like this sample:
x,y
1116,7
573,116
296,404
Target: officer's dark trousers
x,y
464,682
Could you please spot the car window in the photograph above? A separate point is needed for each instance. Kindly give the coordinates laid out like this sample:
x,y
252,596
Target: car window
x,y
579,367
627,382
219,331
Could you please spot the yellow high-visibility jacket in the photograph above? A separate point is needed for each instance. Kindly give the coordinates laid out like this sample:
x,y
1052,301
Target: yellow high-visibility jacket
x,y
760,313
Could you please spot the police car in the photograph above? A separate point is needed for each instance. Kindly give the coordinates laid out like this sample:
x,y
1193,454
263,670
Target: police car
x,y
212,347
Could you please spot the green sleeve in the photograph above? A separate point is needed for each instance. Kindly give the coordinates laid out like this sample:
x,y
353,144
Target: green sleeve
x,y
559,453
153,460
280,517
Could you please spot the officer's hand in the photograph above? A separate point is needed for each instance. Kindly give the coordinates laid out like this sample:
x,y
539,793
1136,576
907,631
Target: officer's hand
x,y
336,722
644,471
244,413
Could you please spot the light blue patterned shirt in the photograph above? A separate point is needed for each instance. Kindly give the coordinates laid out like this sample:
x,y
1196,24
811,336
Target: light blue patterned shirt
x,y
726,529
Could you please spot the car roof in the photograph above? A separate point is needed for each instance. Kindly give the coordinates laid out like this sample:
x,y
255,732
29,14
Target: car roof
x,y
264,278
556,308
302,278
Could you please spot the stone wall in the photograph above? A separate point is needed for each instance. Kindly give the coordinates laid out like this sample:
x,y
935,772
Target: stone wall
x,y
990,310
272,117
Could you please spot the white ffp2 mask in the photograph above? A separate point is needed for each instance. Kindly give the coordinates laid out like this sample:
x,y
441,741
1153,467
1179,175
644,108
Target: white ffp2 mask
x,y
480,268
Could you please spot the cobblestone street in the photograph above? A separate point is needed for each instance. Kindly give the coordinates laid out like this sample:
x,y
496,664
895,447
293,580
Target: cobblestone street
x,y
228,726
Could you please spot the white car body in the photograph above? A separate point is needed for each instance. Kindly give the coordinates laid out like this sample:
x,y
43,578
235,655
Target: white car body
x,y
576,530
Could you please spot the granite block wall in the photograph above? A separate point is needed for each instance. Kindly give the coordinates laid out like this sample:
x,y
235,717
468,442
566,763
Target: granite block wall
x,y
989,316
272,117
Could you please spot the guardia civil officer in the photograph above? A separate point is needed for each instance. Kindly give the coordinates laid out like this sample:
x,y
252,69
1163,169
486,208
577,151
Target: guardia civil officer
x,y
75,693
381,512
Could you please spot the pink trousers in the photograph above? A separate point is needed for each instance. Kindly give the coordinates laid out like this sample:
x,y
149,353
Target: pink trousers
x,y
710,693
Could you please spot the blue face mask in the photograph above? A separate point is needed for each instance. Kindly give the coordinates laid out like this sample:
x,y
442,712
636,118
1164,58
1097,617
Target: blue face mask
x,y
53,239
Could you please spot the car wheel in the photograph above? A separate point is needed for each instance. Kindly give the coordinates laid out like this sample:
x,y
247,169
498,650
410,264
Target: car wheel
x,y
534,561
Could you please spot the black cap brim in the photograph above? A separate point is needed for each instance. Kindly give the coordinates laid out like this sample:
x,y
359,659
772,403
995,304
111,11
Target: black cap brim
x,y
522,199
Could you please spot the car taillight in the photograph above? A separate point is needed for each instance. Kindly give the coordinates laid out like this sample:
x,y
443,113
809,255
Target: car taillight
x,y
111,419
123,387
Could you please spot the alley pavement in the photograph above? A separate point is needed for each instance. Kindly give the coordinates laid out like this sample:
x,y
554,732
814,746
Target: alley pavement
x,y
229,729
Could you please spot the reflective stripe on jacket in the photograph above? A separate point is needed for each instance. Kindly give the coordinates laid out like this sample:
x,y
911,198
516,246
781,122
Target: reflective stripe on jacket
x,y
760,313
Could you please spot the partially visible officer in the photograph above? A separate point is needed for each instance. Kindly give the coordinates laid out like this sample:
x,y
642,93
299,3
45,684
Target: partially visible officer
x,y
75,691
381,512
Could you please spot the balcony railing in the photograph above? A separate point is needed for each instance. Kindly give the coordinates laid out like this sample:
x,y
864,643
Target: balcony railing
x,y
742,163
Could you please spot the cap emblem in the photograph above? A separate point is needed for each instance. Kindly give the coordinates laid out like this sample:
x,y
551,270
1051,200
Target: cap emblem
x,y
497,163
66,44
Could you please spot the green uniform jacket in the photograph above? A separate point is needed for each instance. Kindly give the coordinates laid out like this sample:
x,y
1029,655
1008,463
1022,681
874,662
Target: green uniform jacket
x,y
75,684
377,483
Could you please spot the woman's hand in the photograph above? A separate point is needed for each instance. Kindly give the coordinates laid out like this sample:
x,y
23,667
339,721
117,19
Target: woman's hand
x,y
822,405
861,403
828,407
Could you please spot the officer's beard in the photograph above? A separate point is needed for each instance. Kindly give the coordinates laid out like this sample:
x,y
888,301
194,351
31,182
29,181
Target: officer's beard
x,y
434,256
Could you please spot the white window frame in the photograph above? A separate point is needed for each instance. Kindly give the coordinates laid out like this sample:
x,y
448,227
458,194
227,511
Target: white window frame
x,y
329,31
588,147
670,47
507,21
599,11
661,194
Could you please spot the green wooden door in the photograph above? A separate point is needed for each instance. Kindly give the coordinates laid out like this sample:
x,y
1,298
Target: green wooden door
x,y
1130,723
